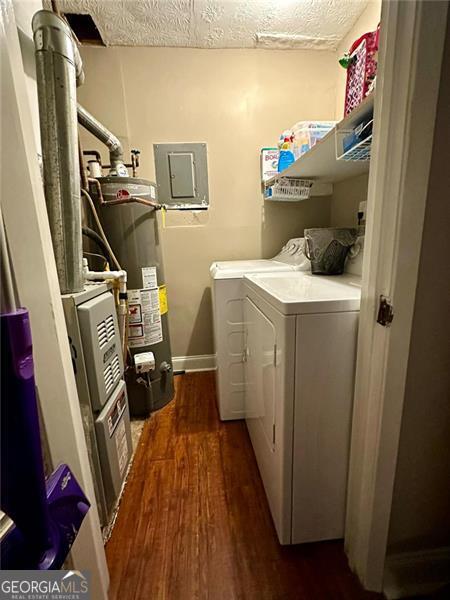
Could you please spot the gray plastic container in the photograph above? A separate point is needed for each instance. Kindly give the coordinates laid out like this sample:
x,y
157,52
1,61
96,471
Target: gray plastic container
x,y
327,248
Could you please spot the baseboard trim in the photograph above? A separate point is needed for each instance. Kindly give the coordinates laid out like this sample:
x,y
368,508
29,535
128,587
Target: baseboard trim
x,y
416,573
201,362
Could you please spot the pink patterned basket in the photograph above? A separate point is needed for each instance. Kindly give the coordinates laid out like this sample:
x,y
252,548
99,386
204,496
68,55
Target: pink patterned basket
x,y
361,70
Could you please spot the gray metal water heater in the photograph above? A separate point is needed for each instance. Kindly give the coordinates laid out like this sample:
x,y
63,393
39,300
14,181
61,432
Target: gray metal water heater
x,y
132,230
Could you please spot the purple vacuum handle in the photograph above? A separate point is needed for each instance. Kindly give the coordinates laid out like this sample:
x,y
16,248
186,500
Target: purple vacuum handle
x,y
46,515
23,494
67,506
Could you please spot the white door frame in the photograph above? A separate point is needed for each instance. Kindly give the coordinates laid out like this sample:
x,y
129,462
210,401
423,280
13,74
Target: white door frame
x,y
411,47
25,217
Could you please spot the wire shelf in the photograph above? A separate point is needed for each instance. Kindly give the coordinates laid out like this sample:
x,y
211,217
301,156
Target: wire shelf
x,y
360,152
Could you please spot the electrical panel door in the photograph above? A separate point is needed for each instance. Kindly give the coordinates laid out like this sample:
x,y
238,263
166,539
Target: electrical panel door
x,y
182,175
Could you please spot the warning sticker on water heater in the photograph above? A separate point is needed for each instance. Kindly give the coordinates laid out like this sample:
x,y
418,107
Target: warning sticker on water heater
x,y
149,279
144,323
163,299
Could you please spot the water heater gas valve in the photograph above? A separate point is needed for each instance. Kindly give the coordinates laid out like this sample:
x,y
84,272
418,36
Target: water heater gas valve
x,y
144,362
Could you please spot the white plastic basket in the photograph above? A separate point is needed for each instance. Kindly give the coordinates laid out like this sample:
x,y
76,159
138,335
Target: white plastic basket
x,y
289,189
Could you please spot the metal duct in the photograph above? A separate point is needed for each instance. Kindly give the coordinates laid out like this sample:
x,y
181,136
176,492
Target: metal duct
x,y
109,139
58,67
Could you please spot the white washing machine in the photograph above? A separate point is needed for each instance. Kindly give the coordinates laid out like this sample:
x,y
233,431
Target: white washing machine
x,y
300,349
227,295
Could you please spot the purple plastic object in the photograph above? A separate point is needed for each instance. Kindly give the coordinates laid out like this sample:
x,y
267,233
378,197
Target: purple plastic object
x,y
46,515
67,507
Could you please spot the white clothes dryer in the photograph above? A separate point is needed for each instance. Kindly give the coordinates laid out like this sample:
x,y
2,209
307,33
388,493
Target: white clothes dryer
x,y
300,346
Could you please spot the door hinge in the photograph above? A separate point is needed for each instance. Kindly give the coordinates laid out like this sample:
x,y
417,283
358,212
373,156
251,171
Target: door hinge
x,y
274,355
385,311
273,434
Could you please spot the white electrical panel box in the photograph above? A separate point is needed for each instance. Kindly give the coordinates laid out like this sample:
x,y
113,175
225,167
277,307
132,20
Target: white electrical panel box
x,y
182,175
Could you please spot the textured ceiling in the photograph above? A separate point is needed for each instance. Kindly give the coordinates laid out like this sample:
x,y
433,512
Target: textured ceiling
x,y
319,24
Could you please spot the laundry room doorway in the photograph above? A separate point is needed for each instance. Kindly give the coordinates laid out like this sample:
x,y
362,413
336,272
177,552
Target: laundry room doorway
x,y
410,99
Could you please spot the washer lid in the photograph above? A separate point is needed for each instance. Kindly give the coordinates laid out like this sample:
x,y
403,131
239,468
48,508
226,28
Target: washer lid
x,y
235,269
290,258
303,293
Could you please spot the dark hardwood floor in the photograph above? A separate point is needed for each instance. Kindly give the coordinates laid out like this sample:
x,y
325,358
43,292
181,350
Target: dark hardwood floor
x,y
194,521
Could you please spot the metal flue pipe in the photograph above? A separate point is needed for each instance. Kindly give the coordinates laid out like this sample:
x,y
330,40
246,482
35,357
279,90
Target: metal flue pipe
x,y
58,69
106,137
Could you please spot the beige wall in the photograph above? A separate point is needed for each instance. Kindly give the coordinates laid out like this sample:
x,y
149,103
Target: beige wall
x,y
237,101
345,201
420,517
344,208
368,21
24,12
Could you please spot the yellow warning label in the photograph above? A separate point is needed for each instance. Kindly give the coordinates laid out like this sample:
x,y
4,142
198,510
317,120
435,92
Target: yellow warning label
x,y
163,306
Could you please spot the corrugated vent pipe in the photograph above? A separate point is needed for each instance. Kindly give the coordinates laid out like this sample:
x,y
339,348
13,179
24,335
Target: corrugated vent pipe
x,y
59,70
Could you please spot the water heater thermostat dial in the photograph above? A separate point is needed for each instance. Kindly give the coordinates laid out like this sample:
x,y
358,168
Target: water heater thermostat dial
x,y
144,362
